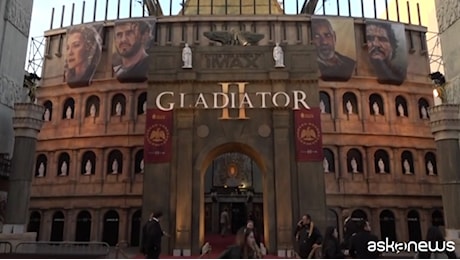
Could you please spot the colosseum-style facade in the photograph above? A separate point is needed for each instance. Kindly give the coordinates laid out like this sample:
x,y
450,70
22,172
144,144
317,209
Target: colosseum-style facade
x,y
381,160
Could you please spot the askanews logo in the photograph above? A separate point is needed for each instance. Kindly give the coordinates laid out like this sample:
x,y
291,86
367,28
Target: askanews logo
x,y
387,246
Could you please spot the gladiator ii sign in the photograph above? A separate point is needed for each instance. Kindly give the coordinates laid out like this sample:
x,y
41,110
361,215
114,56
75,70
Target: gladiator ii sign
x,y
228,98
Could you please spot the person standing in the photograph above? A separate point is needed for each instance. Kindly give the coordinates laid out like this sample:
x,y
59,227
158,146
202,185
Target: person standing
x,y
359,242
224,222
152,235
331,246
307,236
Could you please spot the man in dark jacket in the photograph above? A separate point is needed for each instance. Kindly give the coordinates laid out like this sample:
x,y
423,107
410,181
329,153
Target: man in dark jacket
x,y
151,236
307,236
359,242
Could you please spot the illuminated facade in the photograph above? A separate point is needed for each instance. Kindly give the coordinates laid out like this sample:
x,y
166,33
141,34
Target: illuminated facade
x,y
225,144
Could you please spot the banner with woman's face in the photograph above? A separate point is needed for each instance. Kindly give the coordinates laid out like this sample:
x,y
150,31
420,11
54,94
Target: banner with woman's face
x,y
132,39
82,54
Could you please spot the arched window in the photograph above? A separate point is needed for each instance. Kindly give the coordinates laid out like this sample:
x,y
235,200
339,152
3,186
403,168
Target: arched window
x,y
69,109
136,228
328,161
139,161
92,106
423,106
142,103
354,161
437,218
431,167
401,106
324,102
57,227
381,161
118,105
34,223
407,162
332,218
63,166
88,163
110,228
413,224
358,215
387,225
376,105
350,104
115,162
41,166
83,227
48,114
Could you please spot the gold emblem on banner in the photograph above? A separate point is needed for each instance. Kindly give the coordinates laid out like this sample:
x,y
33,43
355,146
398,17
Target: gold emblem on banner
x,y
158,134
308,133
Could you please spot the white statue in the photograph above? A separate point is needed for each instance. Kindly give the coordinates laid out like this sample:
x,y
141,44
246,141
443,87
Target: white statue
x,y
322,107
88,167
381,166
92,110
424,112
354,165
376,108
63,169
187,57
41,170
46,115
141,165
349,107
118,109
326,165
278,56
401,111
115,166
430,167
406,166
68,113
144,107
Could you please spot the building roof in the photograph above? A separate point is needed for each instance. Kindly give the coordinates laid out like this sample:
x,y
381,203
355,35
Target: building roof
x,y
232,7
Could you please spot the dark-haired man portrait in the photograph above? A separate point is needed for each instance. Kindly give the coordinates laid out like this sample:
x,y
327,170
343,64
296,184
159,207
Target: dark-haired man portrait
x,y
332,65
131,38
382,46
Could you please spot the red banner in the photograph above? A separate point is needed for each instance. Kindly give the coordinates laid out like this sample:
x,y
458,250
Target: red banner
x,y
158,131
308,136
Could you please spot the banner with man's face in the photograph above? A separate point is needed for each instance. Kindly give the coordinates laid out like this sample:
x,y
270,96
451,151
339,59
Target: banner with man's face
x,y
132,39
386,46
82,54
335,47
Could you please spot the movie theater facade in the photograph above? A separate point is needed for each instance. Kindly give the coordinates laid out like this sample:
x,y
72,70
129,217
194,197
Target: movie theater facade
x,y
267,115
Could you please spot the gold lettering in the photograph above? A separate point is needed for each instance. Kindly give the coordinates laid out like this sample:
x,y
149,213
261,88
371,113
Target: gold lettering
x,y
243,98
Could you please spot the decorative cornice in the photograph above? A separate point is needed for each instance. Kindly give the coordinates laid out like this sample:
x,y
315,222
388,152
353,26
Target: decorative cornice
x,y
27,120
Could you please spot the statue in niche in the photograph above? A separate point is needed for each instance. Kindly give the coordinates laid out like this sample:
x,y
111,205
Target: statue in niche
x,y
406,167
322,107
187,57
41,170
46,115
234,37
144,108
424,112
278,56
92,110
115,166
118,109
64,169
68,113
325,165
349,107
381,166
88,167
354,165
401,110
141,165
376,108
430,167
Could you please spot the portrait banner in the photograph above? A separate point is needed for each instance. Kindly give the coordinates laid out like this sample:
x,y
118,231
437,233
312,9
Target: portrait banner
x,y
387,51
132,39
335,49
83,54
158,131
308,136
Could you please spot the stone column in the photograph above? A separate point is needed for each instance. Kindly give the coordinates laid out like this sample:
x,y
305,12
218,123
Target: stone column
x,y
445,126
27,122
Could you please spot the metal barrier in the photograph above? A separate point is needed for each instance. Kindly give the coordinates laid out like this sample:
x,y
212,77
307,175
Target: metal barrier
x,y
5,247
62,249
